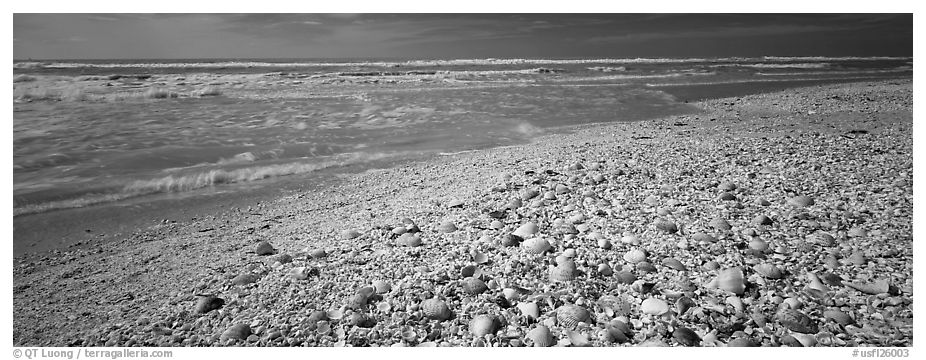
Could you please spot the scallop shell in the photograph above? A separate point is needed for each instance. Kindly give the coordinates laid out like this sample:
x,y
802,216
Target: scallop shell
x,y
536,245
768,270
565,271
526,230
483,325
654,306
731,280
511,240
801,201
635,256
796,321
208,303
529,310
541,336
436,309
409,239
473,286
264,248
569,315
686,336
381,286
447,227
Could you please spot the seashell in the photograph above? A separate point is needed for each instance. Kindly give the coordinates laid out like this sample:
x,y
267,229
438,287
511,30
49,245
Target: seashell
x,y
604,243
569,253
764,202
736,303
565,271
568,229
673,263
473,286
768,270
408,334
726,186
858,258
577,218
827,338
625,277
323,327
436,309
447,227
806,340
514,204
264,248
838,316
467,271
651,200
540,336
727,196
479,257
383,306
703,238
857,232
528,194
526,230
645,267
578,339
758,245
719,224
791,303
455,203
361,320
237,331
605,270
497,225
349,234
303,272
683,304
511,240
796,321
761,220
536,245
208,303
635,256
483,325
282,258
569,316
686,336
825,239
742,342
654,306
381,287
335,314
245,279
731,280
409,239
358,301
318,253
618,331
562,189
529,310
631,239
872,288
549,195
666,226
801,201
399,230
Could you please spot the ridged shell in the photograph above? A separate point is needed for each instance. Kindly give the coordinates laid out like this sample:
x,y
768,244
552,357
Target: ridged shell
x,y
686,336
674,264
526,230
436,309
238,331
536,245
473,286
483,325
541,336
654,306
409,239
768,270
447,227
634,256
568,316
796,321
731,280
208,303
565,271
529,310
801,201
264,248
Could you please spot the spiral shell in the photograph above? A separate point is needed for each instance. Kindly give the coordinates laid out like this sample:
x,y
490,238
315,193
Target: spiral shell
x,y
565,271
436,309
473,286
768,270
570,315
483,325
526,230
536,245
541,336
634,256
731,280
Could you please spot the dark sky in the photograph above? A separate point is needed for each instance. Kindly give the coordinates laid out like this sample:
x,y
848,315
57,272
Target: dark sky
x,y
138,36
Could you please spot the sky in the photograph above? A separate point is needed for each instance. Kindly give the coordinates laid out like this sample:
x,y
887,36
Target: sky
x,y
455,35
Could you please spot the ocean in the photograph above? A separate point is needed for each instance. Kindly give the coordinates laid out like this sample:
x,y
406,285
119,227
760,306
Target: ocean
x,y
111,132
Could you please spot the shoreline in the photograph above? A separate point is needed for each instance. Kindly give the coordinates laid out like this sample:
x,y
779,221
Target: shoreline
x,y
154,267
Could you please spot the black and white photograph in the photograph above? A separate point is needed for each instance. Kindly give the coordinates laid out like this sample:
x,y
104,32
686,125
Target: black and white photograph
x,y
461,179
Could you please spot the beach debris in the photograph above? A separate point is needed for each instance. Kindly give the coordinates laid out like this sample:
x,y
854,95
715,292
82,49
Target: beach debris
x,y
872,287
769,271
526,230
207,303
264,248
801,201
447,227
686,336
537,245
303,272
349,234
635,256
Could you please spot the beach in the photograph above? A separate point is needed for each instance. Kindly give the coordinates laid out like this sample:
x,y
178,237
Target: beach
x,y
772,219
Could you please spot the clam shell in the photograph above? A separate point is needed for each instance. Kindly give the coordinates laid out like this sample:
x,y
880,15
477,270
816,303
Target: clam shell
x,y
303,272
666,226
335,314
496,224
479,257
264,248
540,336
726,186
536,245
731,280
511,240
604,243
872,288
838,316
768,270
632,239
526,230
796,321
381,286
719,224
645,267
529,310
318,253
801,201
654,306
742,342
758,245
578,339
683,304
761,220
409,239
625,277
208,303
806,340
686,336
674,264
703,237
447,227
483,325
514,204
237,331
473,286
565,271
727,196
635,256
569,315
528,194
605,270
349,234
618,331
436,309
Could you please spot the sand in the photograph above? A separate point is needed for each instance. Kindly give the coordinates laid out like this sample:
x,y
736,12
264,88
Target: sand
x,y
849,147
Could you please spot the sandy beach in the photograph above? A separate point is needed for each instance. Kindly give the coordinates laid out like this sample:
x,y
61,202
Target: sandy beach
x,y
763,220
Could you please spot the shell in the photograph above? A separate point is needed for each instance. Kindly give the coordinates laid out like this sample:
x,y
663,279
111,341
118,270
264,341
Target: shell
x,y
768,270
565,271
674,264
806,340
872,288
483,325
264,248
208,303
349,234
796,321
634,256
645,267
761,220
467,271
801,201
381,286
447,227
604,243
514,204
578,339
825,239
654,306
727,196
436,309
528,194
529,310
496,224
335,314
731,280
683,304
838,316
526,230
536,245
303,272
473,286
625,277
409,239
238,331
540,336
569,316
742,342
479,257
719,224
511,240
686,336
318,253
758,245
703,237
666,226
605,270
282,258
361,320
727,186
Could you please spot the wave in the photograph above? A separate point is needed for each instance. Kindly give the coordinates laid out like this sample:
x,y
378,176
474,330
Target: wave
x,y
835,58
857,72
819,65
746,81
